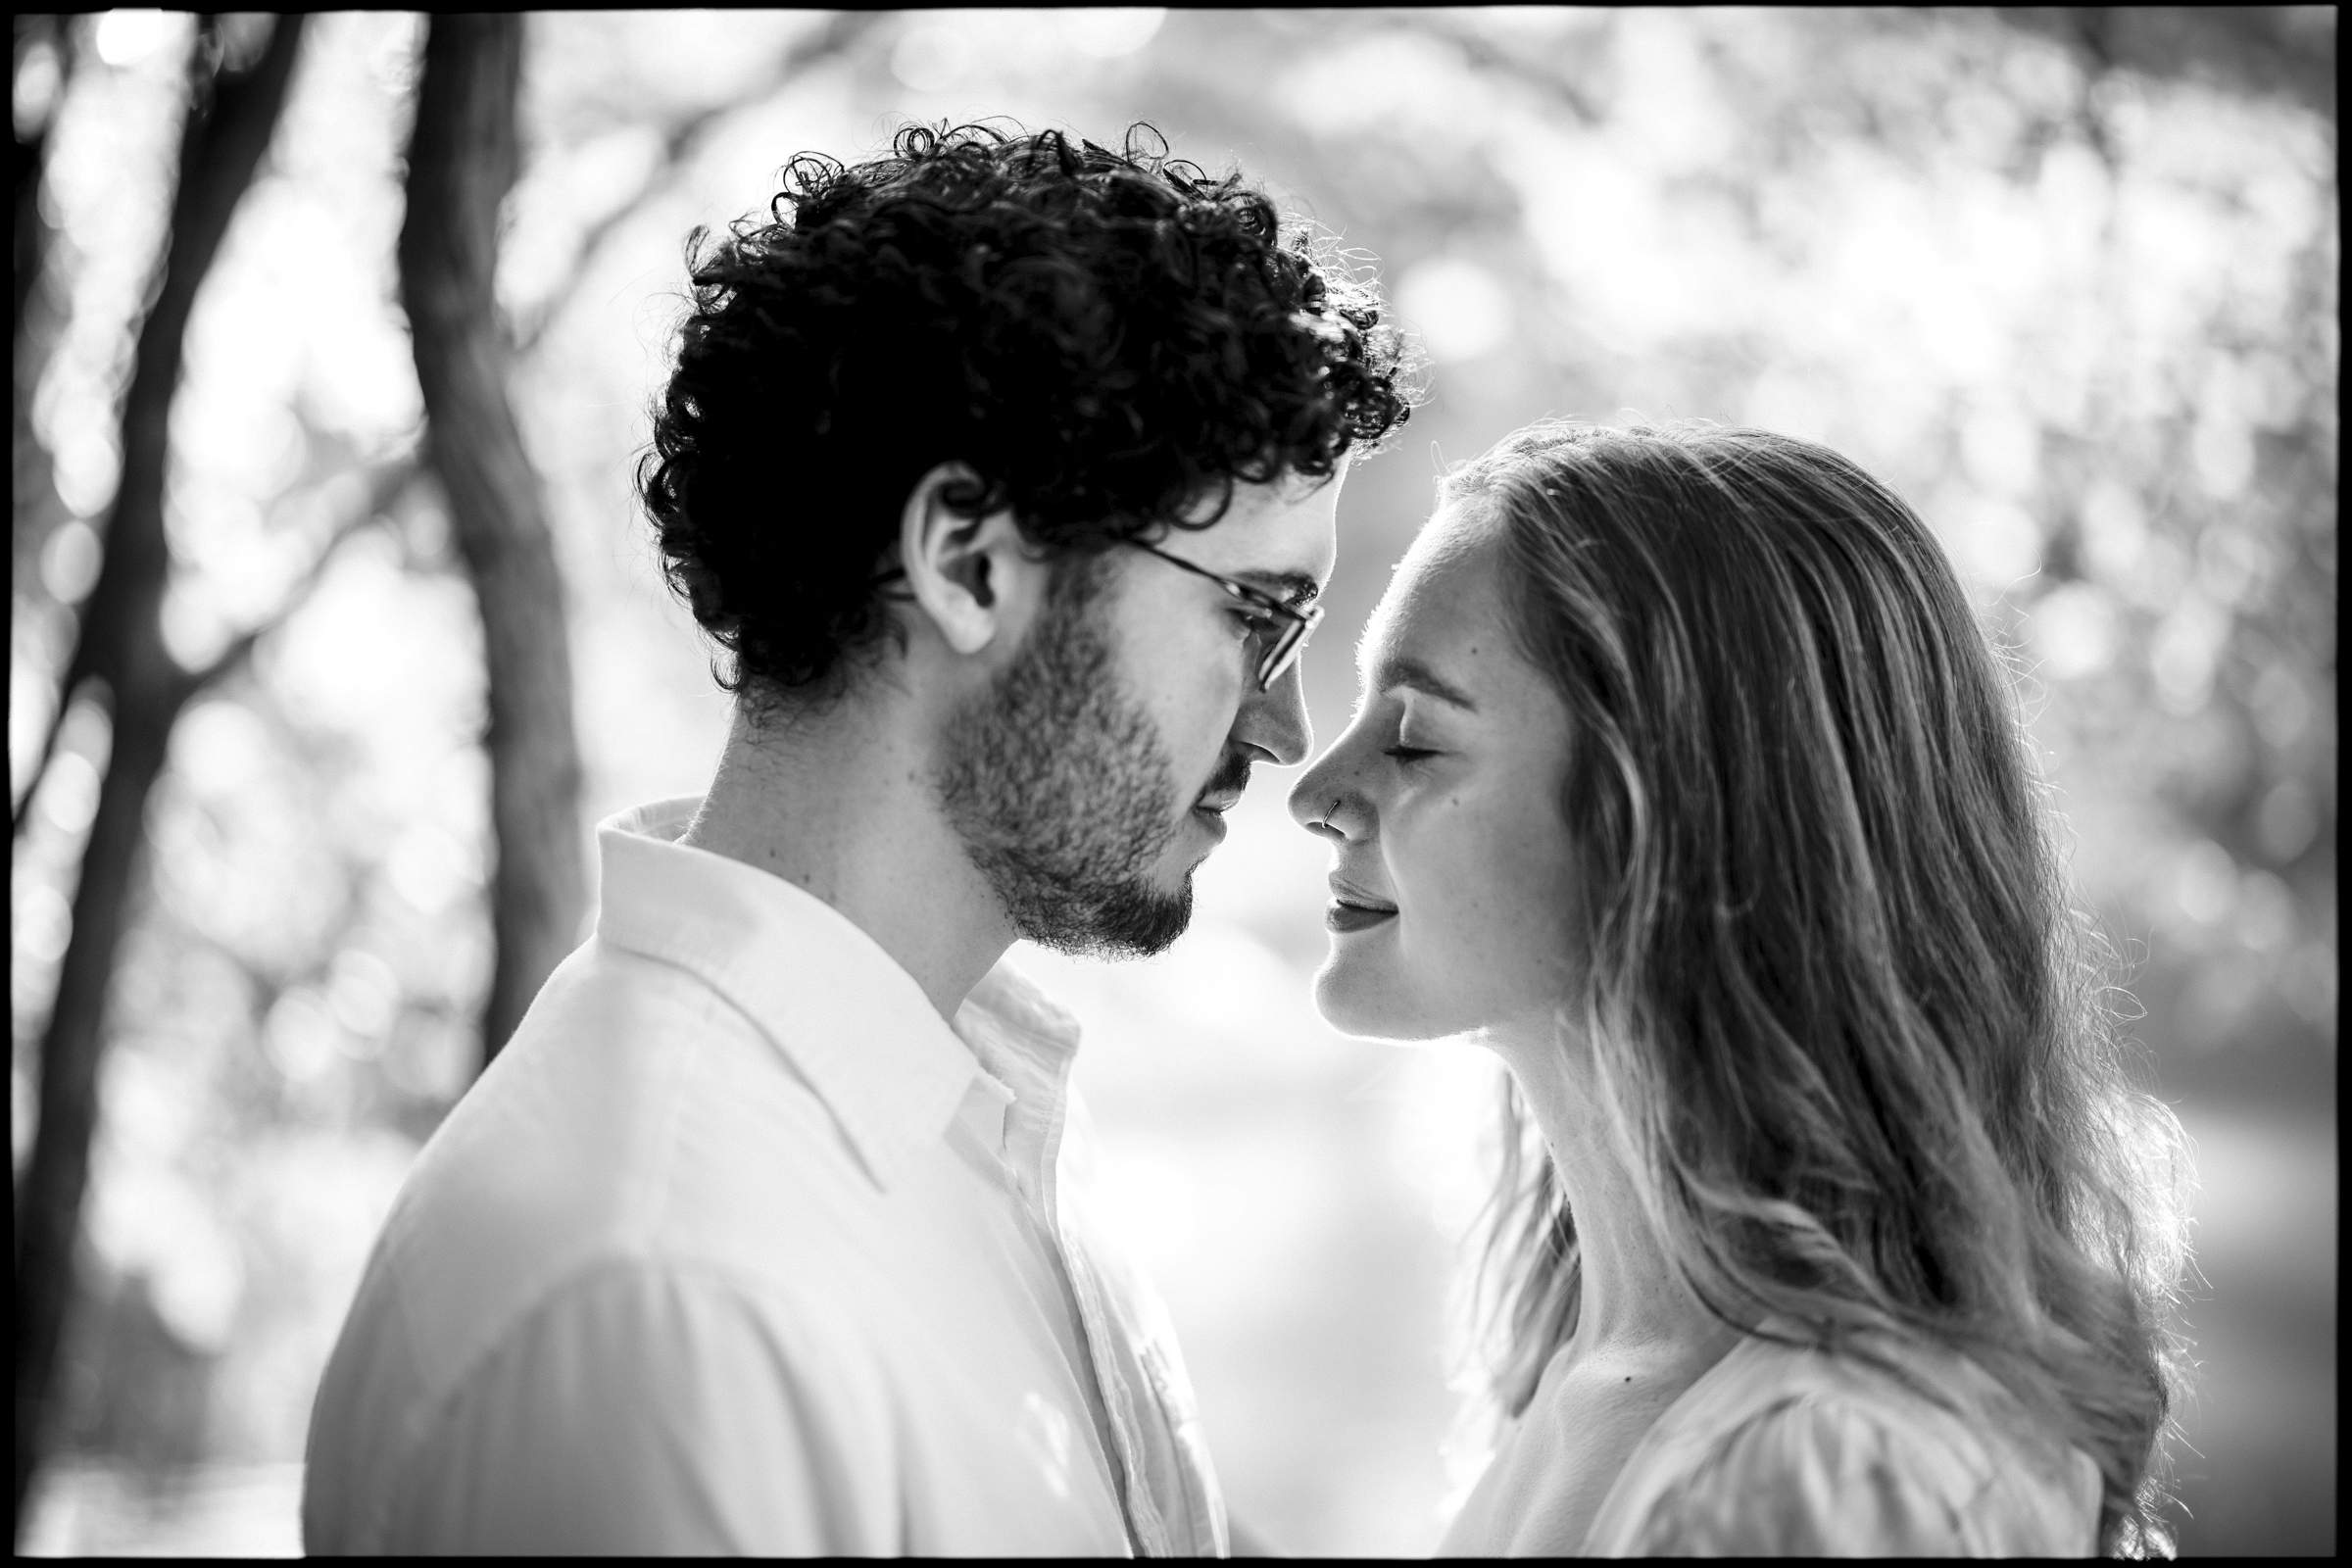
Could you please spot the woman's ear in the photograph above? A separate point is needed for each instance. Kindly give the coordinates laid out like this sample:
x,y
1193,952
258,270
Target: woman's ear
x,y
967,574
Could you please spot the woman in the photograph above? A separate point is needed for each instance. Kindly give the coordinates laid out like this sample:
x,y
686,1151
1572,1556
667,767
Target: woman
x,y
1684,780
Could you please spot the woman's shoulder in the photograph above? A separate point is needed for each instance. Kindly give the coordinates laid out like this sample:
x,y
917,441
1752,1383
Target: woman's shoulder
x,y
1787,1450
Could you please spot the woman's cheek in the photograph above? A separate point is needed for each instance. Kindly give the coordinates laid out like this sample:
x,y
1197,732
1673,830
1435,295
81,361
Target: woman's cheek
x,y
1445,871
1405,842
1500,913
1537,883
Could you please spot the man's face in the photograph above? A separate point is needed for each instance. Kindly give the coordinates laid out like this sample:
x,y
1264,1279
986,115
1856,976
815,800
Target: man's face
x,y
1092,776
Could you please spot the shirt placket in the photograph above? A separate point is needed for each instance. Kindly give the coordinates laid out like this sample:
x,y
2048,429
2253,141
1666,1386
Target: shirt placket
x,y
1147,1530
1033,1146
1034,1128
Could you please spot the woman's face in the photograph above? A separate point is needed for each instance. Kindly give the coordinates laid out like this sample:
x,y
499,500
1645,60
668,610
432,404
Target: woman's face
x,y
1454,887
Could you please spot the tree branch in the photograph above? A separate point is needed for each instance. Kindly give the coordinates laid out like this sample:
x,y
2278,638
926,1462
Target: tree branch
x,y
2261,51
678,143
1484,54
386,483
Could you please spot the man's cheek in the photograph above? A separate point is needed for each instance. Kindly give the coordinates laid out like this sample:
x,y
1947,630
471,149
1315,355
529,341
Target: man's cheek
x,y
1199,721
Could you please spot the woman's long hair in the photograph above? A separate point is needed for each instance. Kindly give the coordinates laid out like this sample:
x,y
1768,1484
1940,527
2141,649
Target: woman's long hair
x,y
1844,1009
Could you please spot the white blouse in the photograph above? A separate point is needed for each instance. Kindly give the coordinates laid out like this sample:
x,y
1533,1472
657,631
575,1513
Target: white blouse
x,y
1784,1451
1780,1450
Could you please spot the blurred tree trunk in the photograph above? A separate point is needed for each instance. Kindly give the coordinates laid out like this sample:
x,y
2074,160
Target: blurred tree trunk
x,y
35,508
119,653
462,158
33,34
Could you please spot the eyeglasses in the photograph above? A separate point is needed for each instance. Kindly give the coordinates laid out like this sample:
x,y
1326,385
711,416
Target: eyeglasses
x,y
1279,630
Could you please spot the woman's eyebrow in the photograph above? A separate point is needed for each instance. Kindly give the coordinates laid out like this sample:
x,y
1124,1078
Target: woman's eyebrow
x,y
1401,670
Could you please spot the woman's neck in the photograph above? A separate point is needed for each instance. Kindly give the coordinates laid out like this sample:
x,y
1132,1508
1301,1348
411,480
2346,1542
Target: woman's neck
x,y
1634,1300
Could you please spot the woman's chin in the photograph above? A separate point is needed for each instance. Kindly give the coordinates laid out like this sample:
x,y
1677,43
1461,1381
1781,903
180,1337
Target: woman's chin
x,y
1364,999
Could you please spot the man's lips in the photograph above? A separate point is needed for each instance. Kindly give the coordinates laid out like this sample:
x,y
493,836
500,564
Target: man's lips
x,y
1209,812
1223,793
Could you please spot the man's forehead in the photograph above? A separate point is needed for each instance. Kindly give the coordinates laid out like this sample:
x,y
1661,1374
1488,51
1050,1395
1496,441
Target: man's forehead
x,y
1281,537
1288,492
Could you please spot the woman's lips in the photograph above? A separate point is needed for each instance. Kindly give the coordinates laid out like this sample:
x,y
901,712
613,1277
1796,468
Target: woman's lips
x,y
1341,915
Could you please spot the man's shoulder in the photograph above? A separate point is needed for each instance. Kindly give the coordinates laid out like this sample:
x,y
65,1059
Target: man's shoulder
x,y
618,1351
634,1115
636,1132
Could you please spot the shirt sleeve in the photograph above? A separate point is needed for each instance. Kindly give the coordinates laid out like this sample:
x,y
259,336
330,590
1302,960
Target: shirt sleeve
x,y
1807,1478
646,1411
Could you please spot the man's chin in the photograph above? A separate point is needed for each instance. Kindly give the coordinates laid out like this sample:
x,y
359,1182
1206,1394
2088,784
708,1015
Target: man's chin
x,y
1133,921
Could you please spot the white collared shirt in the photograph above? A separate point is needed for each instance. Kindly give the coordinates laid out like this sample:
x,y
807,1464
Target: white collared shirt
x,y
738,1246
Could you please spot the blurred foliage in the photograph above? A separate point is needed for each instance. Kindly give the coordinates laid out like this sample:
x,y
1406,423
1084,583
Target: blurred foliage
x,y
2077,301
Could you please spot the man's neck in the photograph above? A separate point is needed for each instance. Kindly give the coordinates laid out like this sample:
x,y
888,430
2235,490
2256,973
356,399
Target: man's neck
x,y
837,804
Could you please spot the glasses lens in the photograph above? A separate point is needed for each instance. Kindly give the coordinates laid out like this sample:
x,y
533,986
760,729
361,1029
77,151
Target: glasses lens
x,y
1289,644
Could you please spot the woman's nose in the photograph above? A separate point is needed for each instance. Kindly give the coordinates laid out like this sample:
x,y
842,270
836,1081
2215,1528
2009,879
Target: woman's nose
x,y
1314,797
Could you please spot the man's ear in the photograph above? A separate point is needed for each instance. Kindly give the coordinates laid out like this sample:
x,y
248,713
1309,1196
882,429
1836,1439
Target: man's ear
x,y
968,575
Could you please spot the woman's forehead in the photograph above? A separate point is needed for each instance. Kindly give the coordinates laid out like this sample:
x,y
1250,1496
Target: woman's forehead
x,y
1442,607
1454,532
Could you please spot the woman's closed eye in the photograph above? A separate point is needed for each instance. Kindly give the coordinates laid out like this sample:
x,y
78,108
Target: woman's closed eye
x,y
1409,755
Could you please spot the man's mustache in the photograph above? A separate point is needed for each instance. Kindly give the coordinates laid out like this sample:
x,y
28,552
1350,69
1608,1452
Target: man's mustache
x,y
1231,778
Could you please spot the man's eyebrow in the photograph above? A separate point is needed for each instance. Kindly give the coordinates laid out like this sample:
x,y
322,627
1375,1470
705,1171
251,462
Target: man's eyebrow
x,y
1294,589
1396,670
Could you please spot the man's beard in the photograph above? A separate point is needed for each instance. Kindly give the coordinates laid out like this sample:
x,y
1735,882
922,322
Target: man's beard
x,y
1061,793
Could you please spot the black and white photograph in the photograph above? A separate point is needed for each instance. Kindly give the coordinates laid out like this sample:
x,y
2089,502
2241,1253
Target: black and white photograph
x,y
1460,781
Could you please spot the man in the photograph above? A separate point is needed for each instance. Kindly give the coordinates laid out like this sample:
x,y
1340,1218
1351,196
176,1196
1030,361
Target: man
x,y
1003,470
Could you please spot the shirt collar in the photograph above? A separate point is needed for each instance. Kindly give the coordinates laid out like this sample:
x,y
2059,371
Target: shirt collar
x,y
1027,1045
848,1017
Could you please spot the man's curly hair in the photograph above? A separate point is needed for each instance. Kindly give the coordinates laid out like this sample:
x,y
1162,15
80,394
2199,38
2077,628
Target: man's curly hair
x,y
1105,339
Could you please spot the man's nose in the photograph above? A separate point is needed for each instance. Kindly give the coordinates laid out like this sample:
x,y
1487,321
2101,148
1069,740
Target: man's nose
x,y
1275,720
